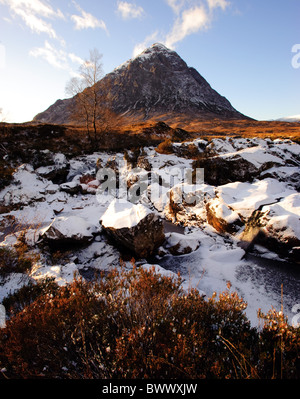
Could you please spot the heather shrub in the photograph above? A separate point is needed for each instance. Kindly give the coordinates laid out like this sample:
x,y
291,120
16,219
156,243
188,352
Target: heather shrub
x,y
136,324
165,147
6,173
18,300
279,346
13,261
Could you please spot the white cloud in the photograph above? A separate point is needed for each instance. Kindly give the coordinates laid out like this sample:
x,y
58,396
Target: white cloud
x,y
190,21
140,47
34,13
217,3
74,58
129,10
55,57
59,59
86,20
176,5
190,16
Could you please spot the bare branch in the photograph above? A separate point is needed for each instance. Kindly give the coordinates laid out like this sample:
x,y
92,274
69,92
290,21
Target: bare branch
x,y
83,88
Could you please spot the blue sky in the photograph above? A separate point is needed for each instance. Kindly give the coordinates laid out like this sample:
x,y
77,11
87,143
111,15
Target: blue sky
x,y
243,48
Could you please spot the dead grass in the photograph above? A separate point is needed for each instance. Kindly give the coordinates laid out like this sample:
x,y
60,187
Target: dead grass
x,y
19,142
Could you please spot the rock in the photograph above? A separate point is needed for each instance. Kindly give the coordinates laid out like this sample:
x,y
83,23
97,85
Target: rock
x,y
71,188
179,244
144,163
68,230
4,209
276,227
57,172
134,227
221,170
186,203
42,158
222,217
225,163
25,189
294,254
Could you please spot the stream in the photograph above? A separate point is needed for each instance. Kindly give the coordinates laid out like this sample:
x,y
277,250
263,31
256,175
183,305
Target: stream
x,y
262,282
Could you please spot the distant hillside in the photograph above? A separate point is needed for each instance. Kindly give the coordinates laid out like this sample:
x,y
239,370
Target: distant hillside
x,y
294,118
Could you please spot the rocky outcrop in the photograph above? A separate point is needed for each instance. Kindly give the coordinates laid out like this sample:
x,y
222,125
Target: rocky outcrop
x,y
133,227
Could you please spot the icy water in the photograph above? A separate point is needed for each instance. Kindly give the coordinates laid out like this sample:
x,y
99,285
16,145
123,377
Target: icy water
x,y
276,277
262,283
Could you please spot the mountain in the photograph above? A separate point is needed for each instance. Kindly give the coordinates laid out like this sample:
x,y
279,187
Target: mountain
x,y
157,82
294,118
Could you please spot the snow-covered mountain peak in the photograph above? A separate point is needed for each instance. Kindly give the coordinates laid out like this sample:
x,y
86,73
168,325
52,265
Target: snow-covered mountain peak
x,y
157,48
156,82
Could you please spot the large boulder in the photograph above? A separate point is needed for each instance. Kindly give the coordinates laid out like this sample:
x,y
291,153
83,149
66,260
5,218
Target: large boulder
x,y
276,227
134,227
68,230
222,217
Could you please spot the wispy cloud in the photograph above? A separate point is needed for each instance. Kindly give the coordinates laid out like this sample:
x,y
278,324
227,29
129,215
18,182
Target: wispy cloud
x,y
218,3
176,5
57,58
190,16
130,10
146,43
189,21
35,14
87,20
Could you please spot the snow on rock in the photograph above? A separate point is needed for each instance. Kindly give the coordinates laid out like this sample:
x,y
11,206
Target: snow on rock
x,y
134,227
222,217
245,198
179,244
71,187
264,203
58,171
99,255
257,156
123,215
68,229
276,227
26,188
285,217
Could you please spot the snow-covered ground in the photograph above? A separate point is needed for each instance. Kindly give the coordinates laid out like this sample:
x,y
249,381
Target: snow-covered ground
x,y
206,257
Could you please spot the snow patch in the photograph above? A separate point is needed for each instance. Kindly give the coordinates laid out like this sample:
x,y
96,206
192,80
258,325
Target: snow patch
x,y
124,214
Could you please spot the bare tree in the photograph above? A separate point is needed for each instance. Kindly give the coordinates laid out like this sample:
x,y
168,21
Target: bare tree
x,y
84,89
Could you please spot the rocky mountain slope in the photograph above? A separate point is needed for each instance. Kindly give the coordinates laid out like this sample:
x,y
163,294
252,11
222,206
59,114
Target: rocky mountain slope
x,y
157,82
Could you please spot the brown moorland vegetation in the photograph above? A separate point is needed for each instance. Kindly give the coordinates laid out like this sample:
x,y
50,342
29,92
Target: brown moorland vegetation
x,y
140,324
